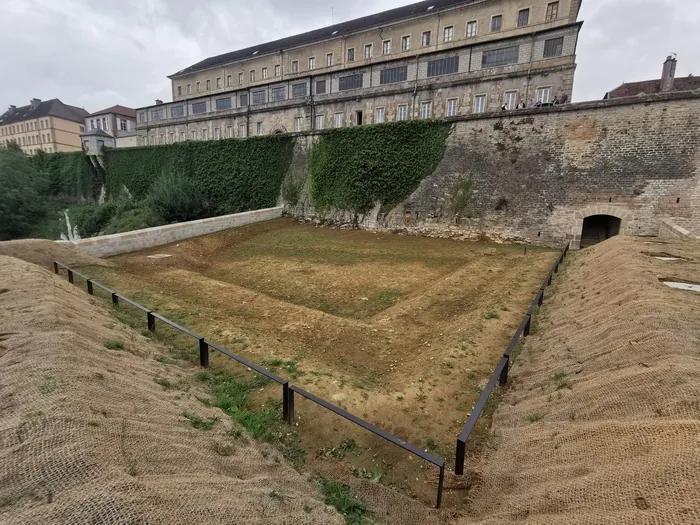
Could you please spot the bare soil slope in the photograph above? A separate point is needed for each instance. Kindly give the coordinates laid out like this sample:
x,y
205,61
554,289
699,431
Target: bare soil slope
x,y
44,253
603,422
89,436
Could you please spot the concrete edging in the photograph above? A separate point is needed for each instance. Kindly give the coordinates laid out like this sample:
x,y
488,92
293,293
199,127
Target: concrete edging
x,y
108,245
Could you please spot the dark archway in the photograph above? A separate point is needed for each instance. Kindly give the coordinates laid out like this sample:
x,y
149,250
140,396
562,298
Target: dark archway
x,y
598,228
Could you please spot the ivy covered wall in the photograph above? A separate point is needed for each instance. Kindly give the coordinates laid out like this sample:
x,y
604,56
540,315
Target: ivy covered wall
x,y
70,175
353,168
235,175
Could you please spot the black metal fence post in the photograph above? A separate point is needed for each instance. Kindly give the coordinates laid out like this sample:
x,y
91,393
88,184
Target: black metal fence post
x,y
203,353
459,461
503,377
70,276
90,289
285,402
441,483
115,299
55,267
290,406
526,331
151,321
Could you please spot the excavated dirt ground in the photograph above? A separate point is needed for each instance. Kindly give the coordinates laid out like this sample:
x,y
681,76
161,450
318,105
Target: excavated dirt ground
x,y
600,423
402,331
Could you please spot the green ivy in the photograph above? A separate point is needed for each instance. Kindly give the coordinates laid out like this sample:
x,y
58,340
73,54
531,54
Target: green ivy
x,y
70,175
234,175
354,168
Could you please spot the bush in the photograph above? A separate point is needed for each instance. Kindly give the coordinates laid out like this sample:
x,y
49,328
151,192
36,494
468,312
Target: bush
x,y
21,187
177,199
94,219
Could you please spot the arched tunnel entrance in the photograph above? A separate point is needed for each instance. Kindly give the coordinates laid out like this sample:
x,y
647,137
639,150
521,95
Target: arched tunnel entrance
x,y
598,228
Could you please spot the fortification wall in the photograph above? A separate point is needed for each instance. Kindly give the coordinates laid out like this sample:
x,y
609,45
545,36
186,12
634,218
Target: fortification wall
x,y
538,173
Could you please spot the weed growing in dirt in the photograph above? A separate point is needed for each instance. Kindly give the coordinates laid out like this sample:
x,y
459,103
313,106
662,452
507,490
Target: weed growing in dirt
x,y
431,444
561,380
48,385
290,366
200,423
338,495
492,315
114,345
534,417
339,451
169,385
231,395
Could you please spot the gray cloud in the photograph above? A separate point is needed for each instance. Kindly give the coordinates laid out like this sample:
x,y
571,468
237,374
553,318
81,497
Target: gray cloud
x,y
99,54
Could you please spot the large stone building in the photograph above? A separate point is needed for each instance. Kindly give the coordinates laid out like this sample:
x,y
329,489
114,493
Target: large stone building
x,y
50,126
431,59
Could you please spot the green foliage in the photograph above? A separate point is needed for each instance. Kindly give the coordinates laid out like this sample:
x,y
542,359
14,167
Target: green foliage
x,y
70,175
231,395
114,345
116,216
233,175
291,188
21,187
178,199
339,496
353,168
462,196
200,423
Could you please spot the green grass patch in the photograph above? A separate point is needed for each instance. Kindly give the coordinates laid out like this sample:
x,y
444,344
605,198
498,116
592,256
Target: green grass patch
x,y
535,417
114,345
231,395
339,496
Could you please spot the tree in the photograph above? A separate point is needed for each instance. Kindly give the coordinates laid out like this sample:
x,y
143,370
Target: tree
x,y
13,145
20,203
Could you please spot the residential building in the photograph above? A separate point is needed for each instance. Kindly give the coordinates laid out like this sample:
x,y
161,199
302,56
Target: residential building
x,y
667,82
113,127
469,56
50,126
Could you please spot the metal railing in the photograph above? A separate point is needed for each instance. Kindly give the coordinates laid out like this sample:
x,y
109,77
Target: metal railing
x,y
500,374
288,390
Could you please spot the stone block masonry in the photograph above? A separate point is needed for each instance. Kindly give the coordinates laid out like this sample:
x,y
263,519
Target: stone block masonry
x,y
537,174
109,245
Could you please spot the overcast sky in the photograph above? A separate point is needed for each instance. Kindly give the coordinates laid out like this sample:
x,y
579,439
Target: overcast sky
x,y
96,54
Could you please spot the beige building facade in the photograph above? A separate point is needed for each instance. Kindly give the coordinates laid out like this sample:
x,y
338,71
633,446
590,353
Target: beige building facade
x,y
49,126
432,59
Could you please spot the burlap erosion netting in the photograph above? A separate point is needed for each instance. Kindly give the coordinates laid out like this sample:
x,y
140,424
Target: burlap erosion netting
x,y
601,424
89,436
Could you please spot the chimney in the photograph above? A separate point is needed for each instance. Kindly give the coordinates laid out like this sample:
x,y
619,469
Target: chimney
x,y
12,107
35,102
668,74
158,102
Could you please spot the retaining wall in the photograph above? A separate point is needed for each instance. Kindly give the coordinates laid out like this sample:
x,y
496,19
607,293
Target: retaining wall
x,y
108,245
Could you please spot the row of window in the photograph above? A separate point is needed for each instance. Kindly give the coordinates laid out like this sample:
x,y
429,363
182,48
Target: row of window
x,y
103,124
471,31
31,151
510,98
31,140
22,127
444,66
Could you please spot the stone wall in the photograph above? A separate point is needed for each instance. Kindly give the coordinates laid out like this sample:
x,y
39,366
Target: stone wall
x,y
109,245
537,174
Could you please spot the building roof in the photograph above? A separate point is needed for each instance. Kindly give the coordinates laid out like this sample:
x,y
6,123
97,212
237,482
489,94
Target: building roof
x,y
119,110
318,35
97,132
650,87
45,108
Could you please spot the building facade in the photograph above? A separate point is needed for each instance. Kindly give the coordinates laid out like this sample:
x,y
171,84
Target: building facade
x,y
114,127
50,126
438,58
